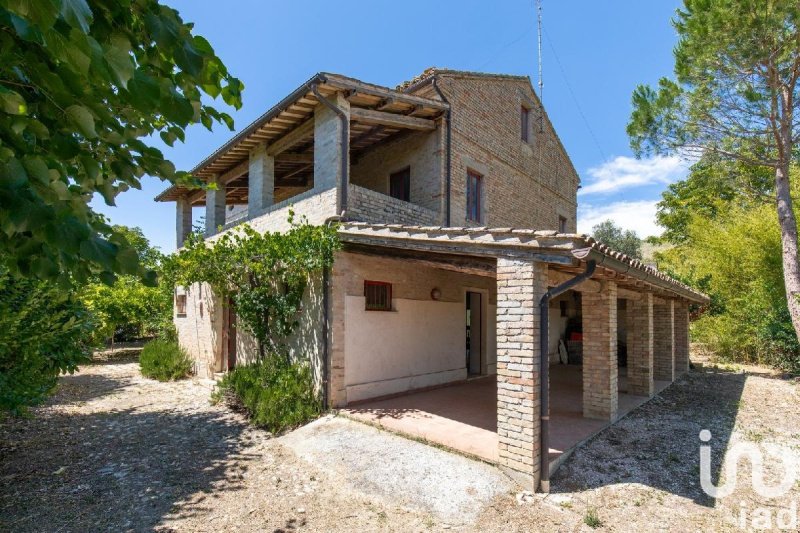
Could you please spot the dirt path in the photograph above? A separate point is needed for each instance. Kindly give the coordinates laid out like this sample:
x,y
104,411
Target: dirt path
x,y
113,451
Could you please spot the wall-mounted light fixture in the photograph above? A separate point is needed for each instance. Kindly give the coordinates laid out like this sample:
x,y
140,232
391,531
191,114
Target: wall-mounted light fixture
x,y
435,293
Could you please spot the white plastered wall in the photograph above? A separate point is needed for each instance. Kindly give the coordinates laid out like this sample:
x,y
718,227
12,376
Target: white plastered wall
x,y
421,342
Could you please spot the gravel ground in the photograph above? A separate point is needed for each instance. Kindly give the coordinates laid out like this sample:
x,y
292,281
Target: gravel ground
x,y
112,451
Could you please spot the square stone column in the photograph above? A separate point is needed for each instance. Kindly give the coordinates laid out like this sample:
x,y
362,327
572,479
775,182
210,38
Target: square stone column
x,y
520,286
663,341
183,220
639,335
261,181
328,145
600,395
681,325
215,207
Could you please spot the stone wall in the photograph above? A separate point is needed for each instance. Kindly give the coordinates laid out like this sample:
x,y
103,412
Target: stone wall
x,y
366,205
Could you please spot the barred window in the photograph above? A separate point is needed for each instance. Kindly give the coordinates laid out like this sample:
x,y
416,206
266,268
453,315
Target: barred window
x,y
378,296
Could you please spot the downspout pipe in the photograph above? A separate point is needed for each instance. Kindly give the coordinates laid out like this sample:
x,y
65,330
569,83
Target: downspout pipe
x,y
544,367
326,276
345,147
447,153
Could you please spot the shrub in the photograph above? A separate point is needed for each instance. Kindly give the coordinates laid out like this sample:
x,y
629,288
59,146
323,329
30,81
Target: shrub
x,y
277,395
164,360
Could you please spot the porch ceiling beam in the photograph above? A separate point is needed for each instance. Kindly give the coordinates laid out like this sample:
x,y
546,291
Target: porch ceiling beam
x,y
291,138
451,263
294,158
369,116
459,248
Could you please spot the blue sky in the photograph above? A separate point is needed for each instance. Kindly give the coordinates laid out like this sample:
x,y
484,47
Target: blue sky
x,y
595,53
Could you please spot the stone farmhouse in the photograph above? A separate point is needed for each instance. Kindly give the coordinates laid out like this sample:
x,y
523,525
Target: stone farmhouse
x,y
463,307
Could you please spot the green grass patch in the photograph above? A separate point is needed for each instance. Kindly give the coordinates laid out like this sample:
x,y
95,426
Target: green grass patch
x,y
164,360
275,394
591,519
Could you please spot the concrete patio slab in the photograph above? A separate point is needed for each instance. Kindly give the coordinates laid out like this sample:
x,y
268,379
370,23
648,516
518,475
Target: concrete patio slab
x,y
379,464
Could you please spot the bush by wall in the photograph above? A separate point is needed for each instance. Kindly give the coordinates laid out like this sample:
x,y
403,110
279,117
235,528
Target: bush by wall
x,y
276,394
164,360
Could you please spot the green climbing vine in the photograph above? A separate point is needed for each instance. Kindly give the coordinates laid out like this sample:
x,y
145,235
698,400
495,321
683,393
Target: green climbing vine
x,y
264,274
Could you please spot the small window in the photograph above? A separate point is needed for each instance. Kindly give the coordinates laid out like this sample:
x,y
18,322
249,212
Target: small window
x,y
474,196
524,115
378,296
400,185
180,304
562,224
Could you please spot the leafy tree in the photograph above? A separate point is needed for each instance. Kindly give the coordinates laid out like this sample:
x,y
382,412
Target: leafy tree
x,y
709,190
736,259
735,95
44,331
264,274
83,84
625,241
128,307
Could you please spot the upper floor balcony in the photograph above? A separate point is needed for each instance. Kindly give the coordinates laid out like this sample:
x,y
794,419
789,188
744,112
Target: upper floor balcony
x,y
334,147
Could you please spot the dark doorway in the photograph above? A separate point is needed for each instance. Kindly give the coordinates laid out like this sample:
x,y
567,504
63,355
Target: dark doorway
x,y
400,185
474,333
230,334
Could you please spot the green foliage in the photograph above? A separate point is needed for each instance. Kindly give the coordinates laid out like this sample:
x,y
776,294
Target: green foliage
x,y
735,84
276,394
128,307
264,274
44,332
736,259
625,241
164,360
83,84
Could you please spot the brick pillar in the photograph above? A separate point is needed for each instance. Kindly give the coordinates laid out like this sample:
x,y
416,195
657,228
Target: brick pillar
x,y
261,181
215,207
681,322
600,395
520,286
183,220
639,335
663,341
328,145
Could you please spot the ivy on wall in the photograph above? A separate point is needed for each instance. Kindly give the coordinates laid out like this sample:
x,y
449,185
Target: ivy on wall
x,y
264,275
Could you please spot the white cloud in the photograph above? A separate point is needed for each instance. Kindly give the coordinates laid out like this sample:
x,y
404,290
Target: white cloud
x,y
639,216
626,172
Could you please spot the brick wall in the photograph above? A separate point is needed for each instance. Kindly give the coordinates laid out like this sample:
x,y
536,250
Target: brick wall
x,y
599,311
520,286
681,337
663,341
421,152
640,345
526,185
365,205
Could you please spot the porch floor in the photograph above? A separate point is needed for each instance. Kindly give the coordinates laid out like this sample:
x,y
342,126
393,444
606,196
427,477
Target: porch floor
x,y
464,416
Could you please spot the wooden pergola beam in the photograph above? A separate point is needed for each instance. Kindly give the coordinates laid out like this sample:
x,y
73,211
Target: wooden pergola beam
x,y
291,138
370,116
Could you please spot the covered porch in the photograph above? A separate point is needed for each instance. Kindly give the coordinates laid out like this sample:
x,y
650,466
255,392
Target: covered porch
x,y
463,416
630,323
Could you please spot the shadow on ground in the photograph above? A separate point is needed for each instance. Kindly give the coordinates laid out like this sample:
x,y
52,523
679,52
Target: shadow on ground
x,y
114,470
657,445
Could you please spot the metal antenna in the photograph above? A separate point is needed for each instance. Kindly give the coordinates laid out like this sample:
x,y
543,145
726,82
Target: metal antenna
x,y
541,83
